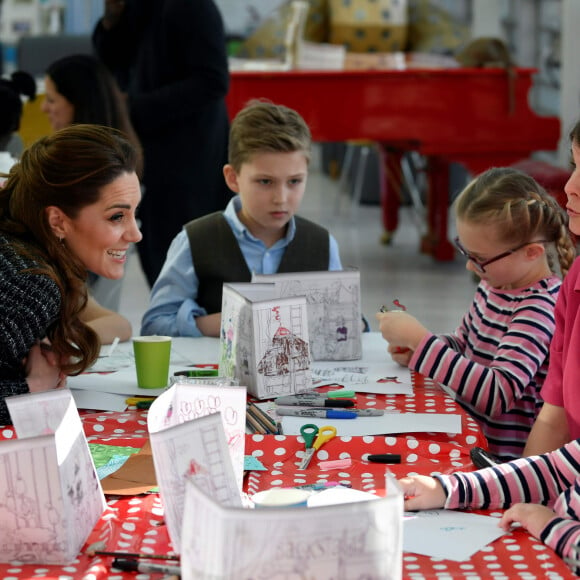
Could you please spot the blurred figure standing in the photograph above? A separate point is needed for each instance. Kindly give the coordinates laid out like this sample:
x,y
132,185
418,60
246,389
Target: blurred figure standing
x,y
170,58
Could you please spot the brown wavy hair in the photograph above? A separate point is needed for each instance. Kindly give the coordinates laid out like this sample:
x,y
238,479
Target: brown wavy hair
x,y
67,169
521,209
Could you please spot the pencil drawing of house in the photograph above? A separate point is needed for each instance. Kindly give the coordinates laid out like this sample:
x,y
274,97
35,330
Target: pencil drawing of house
x,y
287,354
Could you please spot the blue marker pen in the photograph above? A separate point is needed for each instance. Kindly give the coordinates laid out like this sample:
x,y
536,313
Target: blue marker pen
x,y
317,413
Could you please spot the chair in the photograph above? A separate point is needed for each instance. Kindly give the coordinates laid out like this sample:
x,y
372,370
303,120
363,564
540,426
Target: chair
x,y
36,53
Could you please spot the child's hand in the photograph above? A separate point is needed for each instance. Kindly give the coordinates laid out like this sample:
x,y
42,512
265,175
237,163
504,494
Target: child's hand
x,y
401,329
532,517
422,493
400,354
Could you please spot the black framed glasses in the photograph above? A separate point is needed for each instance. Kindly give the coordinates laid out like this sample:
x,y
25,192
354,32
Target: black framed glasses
x,y
479,265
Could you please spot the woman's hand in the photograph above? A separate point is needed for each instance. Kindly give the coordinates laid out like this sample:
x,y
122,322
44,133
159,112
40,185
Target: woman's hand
x,y
422,493
401,330
43,369
532,517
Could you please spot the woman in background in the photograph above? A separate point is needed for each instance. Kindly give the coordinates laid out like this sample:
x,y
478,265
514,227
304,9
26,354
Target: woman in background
x,y
80,89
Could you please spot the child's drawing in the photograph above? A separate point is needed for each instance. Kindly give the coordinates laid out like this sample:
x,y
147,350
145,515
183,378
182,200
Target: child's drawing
x,y
334,311
264,340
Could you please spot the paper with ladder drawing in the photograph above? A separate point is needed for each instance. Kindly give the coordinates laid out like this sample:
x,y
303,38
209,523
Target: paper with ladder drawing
x,y
184,441
348,540
51,496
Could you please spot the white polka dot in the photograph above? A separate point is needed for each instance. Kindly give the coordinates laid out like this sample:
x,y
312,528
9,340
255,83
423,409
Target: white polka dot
x,y
275,472
390,441
412,443
322,454
368,439
258,438
470,439
279,451
280,437
98,428
258,452
277,482
412,458
434,448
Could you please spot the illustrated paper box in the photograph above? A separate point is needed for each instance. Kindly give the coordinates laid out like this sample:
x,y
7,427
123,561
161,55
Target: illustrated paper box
x,y
50,495
221,539
264,340
185,441
369,25
334,309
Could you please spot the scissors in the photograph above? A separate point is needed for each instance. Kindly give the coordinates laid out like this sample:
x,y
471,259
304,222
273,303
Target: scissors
x,y
314,439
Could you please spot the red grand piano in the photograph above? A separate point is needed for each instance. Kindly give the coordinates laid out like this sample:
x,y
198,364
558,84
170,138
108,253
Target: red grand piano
x,y
448,115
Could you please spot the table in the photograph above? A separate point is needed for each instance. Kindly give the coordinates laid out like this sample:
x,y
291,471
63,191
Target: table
x,y
448,115
135,524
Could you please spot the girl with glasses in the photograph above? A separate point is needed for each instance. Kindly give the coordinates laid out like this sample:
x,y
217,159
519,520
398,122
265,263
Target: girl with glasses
x,y
549,484
497,359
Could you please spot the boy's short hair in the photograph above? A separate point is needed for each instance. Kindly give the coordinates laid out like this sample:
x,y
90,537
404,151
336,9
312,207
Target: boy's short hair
x,y
262,126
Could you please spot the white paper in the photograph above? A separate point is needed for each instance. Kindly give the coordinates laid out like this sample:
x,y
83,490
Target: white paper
x,y
85,399
350,540
448,534
52,497
334,309
264,340
389,423
184,445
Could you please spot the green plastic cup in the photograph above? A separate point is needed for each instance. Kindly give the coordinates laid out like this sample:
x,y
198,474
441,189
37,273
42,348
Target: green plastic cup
x,y
152,361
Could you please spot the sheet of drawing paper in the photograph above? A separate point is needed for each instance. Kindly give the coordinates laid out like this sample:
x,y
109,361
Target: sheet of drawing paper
x,y
61,487
334,309
35,414
98,400
375,373
387,424
34,525
448,534
351,540
185,402
198,448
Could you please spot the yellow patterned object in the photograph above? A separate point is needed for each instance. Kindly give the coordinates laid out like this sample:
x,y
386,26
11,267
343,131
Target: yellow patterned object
x,y
369,25
268,39
432,29
34,123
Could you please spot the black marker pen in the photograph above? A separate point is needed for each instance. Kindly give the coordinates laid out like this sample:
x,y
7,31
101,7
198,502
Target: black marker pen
x,y
385,458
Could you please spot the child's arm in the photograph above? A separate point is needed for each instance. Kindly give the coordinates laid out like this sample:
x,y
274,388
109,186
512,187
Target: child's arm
x,y
494,387
549,432
173,309
106,323
210,325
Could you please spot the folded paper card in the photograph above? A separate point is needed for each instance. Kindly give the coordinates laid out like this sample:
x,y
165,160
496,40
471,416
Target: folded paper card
x,y
182,444
334,309
51,497
221,539
264,340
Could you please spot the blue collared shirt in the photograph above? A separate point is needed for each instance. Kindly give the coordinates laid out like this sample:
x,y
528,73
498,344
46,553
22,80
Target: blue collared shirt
x,y
173,307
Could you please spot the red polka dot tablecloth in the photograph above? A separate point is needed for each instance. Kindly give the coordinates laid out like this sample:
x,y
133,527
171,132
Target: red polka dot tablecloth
x,y
135,524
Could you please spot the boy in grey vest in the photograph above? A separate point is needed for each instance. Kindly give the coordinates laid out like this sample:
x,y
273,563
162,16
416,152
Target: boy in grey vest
x,y
269,152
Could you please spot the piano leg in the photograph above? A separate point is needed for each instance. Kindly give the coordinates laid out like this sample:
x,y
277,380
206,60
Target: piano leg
x,y
436,242
391,190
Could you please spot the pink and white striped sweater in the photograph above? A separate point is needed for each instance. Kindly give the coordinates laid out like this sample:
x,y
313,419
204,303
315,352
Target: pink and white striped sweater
x,y
497,360
552,479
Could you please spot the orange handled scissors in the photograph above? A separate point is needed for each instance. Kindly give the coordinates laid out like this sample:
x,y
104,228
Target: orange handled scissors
x,y
314,439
